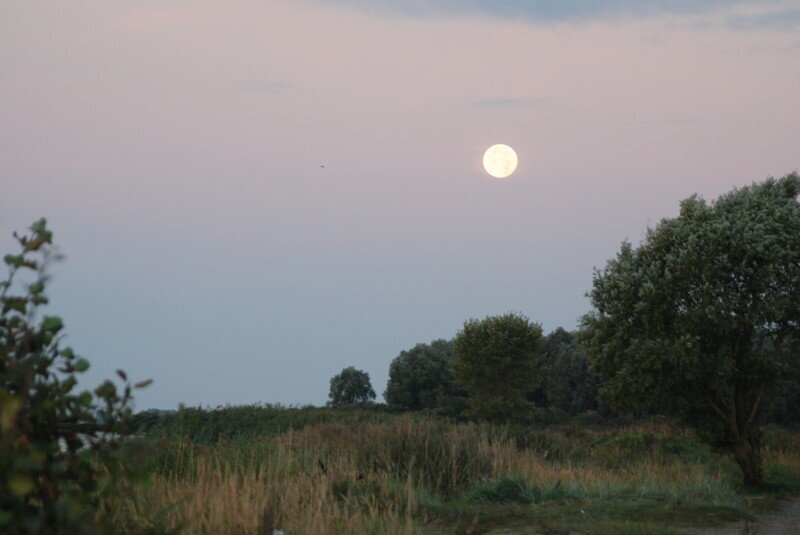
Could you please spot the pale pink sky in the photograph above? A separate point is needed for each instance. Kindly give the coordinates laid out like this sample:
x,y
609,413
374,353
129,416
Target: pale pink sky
x,y
176,149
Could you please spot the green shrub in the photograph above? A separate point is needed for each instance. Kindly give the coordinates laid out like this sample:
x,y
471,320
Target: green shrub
x,y
55,442
505,491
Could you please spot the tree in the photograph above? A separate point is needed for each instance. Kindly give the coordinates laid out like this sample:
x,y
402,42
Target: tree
x,y
55,443
351,387
695,320
498,360
420,378
569,385
785,406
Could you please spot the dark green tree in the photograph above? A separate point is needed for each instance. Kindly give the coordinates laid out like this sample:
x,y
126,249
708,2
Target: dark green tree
x,y
784,408
57,444
695,320
351,387
498,360
421,378
569,384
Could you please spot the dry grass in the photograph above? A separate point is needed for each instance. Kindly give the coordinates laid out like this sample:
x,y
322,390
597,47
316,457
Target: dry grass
x,y
378,477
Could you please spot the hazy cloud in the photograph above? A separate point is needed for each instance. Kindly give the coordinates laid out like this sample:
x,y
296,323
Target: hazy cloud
x,y
782,19
742,14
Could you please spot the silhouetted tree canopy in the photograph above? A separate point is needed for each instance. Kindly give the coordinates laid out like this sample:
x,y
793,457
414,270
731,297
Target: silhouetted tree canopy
x,y
421,378
351,387
570,385
498,360
696,319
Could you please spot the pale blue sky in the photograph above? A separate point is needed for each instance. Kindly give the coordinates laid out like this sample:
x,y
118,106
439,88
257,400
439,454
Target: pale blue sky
x,y
176,148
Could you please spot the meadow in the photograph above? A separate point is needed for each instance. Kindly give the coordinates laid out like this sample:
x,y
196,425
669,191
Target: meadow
x,y
250,470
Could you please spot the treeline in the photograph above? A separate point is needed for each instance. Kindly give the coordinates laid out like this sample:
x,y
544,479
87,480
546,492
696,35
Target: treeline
x,y
699,321
422,379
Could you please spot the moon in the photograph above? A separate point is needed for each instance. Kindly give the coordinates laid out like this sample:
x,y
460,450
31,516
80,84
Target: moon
x,y
500,160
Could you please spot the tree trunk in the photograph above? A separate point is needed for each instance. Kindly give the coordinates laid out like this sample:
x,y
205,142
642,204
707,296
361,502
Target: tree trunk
x,y
747,453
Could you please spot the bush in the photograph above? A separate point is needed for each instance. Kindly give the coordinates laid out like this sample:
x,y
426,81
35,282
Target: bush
x,y
504,491
54,440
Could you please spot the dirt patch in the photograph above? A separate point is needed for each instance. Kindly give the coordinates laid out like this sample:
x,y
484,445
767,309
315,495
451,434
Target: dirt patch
x,y
785,522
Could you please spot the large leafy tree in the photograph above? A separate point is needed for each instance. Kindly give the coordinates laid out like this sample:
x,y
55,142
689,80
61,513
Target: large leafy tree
x,y
498,360
420,378
351,387
696,319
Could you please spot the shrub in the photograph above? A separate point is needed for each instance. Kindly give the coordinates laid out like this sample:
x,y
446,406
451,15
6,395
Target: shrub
x,y
54,440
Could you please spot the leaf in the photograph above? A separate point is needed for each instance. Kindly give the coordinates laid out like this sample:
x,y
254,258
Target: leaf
x,y
107,390
20,484
85,398
9,407
122,374
143,384
36,288
14,303
81,365
14,260
34,245
39,226
52,324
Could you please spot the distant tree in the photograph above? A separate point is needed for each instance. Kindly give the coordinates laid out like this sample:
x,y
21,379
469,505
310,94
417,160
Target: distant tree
x,y
351,387
569,384
421,378
499,360
696,319
58,451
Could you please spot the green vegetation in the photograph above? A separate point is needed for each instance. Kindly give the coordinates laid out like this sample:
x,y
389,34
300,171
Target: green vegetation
x,y
56,445
366,471
569,385
695,333
498,362
351,387
421,378
698,320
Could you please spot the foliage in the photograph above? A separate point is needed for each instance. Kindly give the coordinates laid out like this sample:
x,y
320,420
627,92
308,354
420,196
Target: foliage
x,y
570,385
785,404
498,361
415,473
249,422
695,319
421,378
351,387
53,438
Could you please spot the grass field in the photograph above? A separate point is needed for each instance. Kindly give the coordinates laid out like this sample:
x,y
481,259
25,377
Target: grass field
x,y
250,470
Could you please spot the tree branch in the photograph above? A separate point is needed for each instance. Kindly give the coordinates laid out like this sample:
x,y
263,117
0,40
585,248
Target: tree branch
x,y
754,411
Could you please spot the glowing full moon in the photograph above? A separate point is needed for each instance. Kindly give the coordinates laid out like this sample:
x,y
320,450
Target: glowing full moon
x,y
500,160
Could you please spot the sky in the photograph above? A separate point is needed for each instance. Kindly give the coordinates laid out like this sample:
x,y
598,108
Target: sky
x,y
177,150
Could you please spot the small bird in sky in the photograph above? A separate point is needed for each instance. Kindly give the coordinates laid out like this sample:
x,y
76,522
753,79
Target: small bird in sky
x,y
322,166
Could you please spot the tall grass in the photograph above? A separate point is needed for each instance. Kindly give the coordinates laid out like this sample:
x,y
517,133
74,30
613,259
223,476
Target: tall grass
x,y
388,474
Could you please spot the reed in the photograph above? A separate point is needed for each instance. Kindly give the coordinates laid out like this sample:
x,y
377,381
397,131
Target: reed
x,y
391,475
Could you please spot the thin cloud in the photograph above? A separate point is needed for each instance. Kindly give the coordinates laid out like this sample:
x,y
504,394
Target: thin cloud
x,y
783,19
738,14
